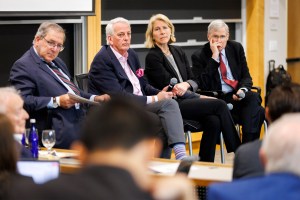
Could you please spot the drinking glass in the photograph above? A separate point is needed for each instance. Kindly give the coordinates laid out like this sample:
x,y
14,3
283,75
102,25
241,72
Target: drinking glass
x,y
48,139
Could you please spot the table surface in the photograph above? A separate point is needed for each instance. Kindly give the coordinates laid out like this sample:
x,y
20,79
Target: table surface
x,y
202,173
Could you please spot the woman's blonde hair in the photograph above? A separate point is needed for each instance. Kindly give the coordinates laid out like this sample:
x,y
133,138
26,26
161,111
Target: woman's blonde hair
x,y
149,43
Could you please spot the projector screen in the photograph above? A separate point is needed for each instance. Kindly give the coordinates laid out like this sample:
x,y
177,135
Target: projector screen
x,y
11,8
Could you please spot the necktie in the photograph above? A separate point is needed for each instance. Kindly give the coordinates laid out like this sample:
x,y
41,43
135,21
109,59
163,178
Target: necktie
x,y
63,78
231,83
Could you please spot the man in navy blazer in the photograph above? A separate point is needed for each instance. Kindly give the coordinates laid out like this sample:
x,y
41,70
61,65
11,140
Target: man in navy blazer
x,y
280,154
235,80
44,81
116,70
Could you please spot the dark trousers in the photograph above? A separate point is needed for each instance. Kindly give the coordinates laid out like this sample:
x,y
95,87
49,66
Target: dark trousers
x,y
214,116
248,113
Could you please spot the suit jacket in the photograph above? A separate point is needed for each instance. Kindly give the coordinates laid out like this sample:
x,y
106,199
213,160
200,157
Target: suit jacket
x,y
159,70
38,84
205,68
93,182
107,75
246,160
273,186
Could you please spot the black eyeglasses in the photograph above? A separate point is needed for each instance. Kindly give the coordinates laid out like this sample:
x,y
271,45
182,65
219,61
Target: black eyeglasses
x,y
60,47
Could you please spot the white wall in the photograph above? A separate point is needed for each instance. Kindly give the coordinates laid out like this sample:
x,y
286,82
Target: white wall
x,y
275,35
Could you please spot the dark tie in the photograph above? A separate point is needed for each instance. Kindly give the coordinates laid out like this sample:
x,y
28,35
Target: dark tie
x,y
231,83
63,78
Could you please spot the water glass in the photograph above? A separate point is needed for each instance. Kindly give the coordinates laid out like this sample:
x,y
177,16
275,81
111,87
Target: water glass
x,y
48,139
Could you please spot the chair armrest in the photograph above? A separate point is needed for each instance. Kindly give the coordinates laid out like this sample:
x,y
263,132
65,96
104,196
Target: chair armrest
x,y
256,89
217,93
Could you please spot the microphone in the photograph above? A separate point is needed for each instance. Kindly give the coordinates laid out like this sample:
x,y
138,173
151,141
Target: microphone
x,y
173,82
241,95
229,106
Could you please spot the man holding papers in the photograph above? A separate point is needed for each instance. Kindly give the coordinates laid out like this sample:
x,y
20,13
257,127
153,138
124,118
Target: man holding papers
x,y
44,82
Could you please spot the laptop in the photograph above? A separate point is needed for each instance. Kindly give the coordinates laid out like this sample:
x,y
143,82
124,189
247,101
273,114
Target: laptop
x,y
40,170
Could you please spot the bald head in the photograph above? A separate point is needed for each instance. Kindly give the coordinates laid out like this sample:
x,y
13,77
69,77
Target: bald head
x,y
281,149
11,104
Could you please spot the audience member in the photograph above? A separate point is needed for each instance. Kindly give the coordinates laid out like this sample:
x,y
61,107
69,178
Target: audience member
x,y
221,65
11,104
283,99
165,61
279,154
8,159
115,146
44,81
116,70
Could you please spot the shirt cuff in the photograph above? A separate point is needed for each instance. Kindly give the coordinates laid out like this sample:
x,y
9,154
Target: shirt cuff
x,y
92,98
245,89
50,104
149,99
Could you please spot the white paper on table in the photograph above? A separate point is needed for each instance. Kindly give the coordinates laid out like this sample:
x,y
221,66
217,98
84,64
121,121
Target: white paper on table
x,y
44,154
169,168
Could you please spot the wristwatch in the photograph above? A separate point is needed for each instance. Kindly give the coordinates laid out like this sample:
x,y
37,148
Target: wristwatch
x,y
55,104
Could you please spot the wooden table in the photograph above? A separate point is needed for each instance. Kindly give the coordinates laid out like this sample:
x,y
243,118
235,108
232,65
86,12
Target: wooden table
x,y
202,173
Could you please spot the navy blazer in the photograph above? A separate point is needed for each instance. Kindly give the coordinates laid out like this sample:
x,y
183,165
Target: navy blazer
x,y
205,68
273,186
159,70
106,75
38,84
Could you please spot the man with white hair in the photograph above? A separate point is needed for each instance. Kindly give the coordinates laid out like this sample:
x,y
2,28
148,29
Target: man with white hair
x,y
11,104
221,65
280,154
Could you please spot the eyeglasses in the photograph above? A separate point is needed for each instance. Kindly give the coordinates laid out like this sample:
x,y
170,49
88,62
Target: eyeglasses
x,y
60,47
221,37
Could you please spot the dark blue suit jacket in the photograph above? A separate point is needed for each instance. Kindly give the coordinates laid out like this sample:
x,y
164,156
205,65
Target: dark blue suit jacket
x,y
205,68
107,75
274,186
38,84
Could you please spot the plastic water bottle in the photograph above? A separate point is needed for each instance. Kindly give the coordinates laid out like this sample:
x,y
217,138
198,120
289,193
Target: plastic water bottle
x,y
23,141
33,139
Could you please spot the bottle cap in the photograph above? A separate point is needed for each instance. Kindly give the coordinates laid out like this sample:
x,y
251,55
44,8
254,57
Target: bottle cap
x,y
32,121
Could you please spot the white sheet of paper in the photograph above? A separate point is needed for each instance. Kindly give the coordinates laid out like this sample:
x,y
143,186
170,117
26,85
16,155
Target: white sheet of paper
x,y
80,99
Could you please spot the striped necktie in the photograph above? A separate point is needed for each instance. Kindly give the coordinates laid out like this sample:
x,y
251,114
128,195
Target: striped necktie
x,y
231,83
63,78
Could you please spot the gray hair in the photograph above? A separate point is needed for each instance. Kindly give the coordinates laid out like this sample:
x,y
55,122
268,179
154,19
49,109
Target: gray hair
x,y
6,94
45,27
281,145
216,25
109,29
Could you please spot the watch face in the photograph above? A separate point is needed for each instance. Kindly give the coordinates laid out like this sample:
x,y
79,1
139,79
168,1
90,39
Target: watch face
x,y
55,104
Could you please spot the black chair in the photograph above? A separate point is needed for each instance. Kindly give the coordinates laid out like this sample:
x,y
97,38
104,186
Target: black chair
x,y
218,94
82,81
194,126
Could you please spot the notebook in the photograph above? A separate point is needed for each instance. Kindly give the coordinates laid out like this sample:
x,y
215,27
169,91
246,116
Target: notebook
x,y
40,170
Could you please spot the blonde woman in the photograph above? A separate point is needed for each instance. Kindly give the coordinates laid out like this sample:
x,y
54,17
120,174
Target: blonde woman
x,y
165,61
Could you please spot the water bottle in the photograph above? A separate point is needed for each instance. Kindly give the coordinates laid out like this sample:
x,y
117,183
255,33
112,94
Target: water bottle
x,y
33,139
23,141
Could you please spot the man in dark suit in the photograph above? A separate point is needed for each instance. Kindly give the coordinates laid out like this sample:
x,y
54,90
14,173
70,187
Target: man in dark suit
x,y
283,99
221,65
279,154
116,70
44,81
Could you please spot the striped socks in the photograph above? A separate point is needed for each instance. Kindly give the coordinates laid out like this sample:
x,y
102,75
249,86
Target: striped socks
x,y
180,151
